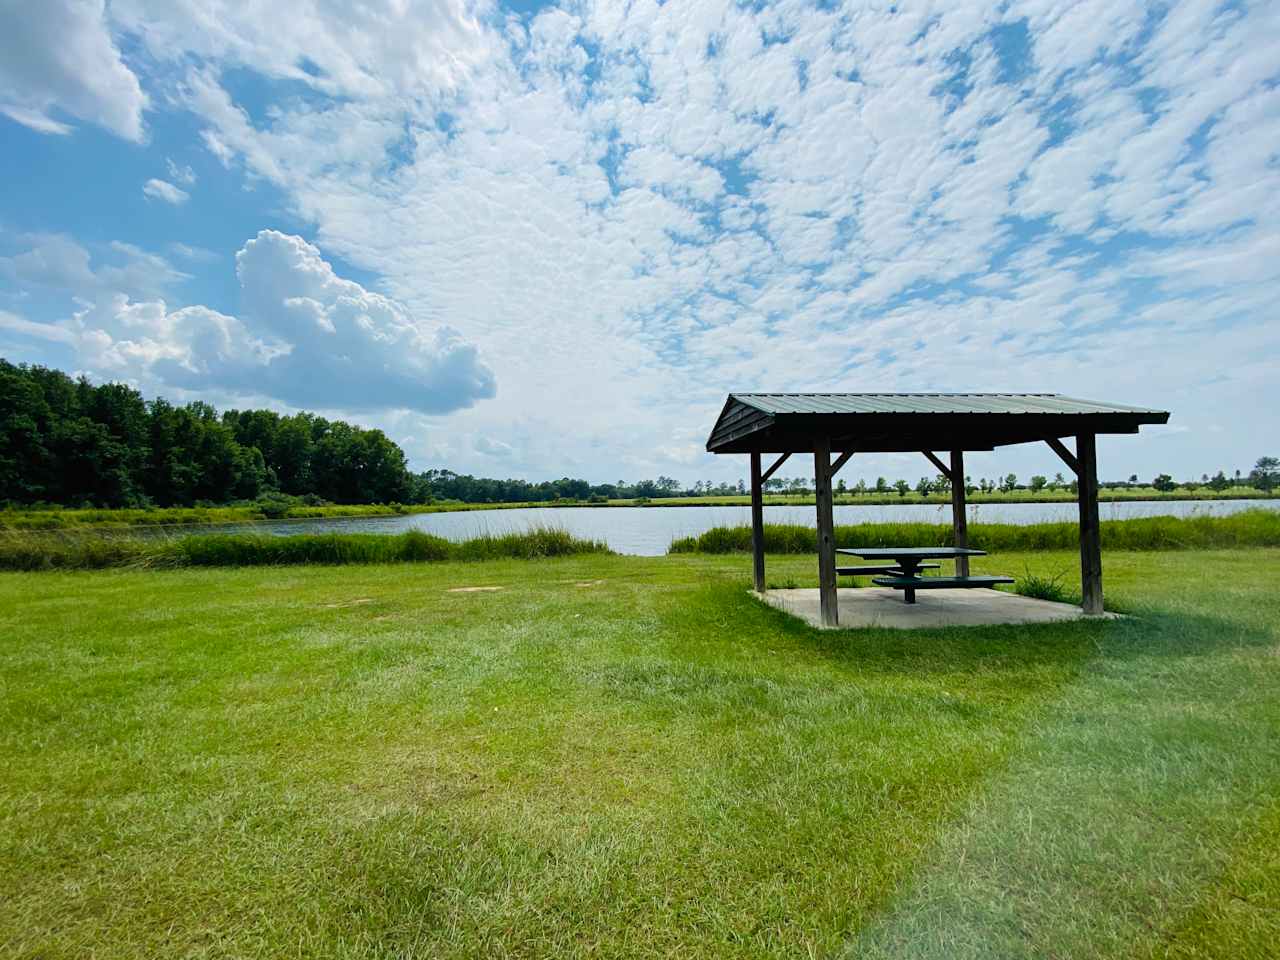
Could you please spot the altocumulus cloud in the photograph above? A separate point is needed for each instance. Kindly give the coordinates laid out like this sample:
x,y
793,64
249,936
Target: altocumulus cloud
x,y
304,336
58,57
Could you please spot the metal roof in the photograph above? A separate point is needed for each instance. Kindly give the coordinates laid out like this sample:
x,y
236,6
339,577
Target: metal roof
x,y
880,422
927,403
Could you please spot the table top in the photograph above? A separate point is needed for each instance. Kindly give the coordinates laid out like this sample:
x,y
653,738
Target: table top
x,y
915,553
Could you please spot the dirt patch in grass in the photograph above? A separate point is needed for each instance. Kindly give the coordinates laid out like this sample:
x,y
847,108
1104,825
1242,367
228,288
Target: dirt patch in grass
x,y
473,589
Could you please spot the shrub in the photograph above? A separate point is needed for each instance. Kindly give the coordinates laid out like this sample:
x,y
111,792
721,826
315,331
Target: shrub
x,y
1045,587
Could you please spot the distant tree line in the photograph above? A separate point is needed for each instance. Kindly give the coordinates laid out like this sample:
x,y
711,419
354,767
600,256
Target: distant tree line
x,y
68,441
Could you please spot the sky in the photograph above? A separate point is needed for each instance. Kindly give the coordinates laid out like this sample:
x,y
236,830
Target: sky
x,y
536,240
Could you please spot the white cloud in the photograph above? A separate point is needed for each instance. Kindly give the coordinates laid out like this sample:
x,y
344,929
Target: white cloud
x,y
180,174
303,337
163,190
14,324
59,55
631,209
56,262
388,47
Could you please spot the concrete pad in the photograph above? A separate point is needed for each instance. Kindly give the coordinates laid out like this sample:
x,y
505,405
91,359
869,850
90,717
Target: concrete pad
x,y
883,607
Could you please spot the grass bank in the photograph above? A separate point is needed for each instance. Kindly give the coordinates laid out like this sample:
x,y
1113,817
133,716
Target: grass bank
x,y
1249,528
628,757
72,550
57,518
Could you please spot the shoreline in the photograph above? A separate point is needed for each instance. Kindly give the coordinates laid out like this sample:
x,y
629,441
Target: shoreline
x,y
123,519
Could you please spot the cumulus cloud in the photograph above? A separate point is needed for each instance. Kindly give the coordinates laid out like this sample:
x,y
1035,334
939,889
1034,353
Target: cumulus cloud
x,y
166,191
59,55
304,336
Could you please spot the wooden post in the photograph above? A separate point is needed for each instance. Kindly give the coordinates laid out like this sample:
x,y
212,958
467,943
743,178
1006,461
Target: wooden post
x,y
757,523
826,532
959,522
1090,532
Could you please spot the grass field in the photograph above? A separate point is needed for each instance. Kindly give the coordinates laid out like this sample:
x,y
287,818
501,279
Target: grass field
x,y
625,757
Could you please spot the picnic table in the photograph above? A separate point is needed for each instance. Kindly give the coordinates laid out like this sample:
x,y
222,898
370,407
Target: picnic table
x,y
910,560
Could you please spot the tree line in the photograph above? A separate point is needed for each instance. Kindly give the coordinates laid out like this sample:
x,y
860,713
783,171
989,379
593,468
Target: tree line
x,y
71,442
1264,476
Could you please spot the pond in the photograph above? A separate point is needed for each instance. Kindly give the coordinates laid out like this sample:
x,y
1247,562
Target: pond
x,y
648,531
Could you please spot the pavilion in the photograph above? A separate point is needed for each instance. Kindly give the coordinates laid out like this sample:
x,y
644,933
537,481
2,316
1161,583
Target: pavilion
x,y
849,423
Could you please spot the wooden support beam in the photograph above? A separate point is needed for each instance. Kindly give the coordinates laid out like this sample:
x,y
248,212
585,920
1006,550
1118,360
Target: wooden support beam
x,y
1090,530
774,469
959,522
1067,456
826,532
757,523
841,461
942,467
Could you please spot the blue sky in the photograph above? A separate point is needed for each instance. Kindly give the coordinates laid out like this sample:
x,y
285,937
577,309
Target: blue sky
x,y
536,239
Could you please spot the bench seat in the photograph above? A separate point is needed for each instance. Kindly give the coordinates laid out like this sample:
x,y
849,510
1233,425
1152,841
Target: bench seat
x,y
873,568
938,583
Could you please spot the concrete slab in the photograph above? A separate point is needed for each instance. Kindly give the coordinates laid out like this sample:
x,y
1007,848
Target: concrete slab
x,y
883,607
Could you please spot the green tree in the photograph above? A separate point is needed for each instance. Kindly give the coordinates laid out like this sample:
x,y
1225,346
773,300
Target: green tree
x,y
1164,483
902,487
1037,483
1265,474
25,417
924,486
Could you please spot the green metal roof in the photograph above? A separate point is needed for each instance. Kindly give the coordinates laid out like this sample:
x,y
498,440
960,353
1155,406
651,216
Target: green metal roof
x,y
927,403
885,422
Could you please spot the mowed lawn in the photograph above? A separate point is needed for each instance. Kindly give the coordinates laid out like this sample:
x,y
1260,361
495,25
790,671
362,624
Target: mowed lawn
x,y
625,757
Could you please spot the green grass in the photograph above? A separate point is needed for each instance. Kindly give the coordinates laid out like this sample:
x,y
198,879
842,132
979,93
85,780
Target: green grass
x,y
1046,586
1255,528
626,757
60,518
81,550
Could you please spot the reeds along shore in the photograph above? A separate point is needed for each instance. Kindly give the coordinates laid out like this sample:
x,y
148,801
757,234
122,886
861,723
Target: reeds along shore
x,y
87,550
1249,528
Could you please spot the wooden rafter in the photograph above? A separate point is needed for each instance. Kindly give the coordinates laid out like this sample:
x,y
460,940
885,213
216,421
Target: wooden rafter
x,y
1067,456
774,469
942,467
841,461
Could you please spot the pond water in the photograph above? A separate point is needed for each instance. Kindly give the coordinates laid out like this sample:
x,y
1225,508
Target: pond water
x,y
648,531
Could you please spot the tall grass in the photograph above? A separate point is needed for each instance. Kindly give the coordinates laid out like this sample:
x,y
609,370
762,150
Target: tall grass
x,y
86,550
1249,528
